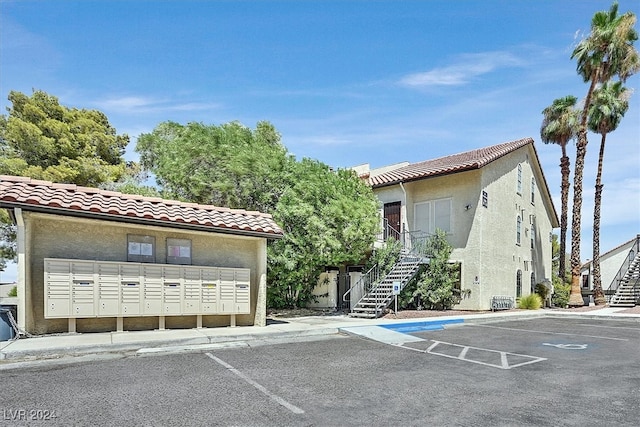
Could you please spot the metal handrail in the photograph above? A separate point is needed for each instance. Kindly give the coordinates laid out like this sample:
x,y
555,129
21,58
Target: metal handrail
x,y
620,275
412,246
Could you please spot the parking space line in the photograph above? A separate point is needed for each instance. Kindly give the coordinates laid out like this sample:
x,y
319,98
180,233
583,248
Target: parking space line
x,y
609,327
550,333
261,388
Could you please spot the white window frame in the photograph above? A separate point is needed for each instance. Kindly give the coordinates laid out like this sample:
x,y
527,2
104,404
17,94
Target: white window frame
x,y
533,190
518,230
519,182
533,236
431,215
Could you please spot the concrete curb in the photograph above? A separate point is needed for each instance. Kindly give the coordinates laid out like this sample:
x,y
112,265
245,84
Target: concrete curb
x,y
189,340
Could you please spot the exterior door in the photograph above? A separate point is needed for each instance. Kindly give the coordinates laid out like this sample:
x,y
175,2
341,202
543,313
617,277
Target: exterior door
x,y
392,219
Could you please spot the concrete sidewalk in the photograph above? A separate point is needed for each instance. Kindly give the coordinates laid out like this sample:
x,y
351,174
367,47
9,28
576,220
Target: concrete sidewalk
x,y
174,340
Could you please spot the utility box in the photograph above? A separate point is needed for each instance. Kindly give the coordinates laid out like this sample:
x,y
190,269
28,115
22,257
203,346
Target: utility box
x,y
77,289
210,281
108,289
243,295
152,290
192,290
6,329
326,291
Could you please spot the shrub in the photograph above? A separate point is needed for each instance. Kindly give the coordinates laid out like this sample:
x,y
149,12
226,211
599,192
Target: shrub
x,y
13,292
435,288
561,291
543,291
530,302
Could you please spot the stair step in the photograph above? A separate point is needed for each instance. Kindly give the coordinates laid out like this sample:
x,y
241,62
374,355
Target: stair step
x,y
362,315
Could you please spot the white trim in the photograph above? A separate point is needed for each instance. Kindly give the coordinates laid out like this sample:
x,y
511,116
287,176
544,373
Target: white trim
x,y
22,269
432,215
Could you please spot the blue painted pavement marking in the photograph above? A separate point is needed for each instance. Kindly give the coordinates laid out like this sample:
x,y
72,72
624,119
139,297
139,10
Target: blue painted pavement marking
x,y
432,325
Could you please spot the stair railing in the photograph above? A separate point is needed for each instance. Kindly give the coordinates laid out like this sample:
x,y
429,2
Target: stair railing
x,y
632,256
413,244
369,280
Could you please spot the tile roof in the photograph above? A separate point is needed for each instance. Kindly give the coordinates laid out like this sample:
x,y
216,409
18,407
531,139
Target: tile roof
x,y
469,160
72,200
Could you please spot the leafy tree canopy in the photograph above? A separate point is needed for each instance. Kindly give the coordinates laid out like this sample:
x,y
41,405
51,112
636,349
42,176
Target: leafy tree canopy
x,y
228,165
329,218
42,139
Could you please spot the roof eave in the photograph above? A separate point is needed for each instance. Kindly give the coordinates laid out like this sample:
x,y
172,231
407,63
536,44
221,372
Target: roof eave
x,y
474,166
137,220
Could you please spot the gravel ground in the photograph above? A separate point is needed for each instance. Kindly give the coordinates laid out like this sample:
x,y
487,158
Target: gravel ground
x,y
415,314
418,314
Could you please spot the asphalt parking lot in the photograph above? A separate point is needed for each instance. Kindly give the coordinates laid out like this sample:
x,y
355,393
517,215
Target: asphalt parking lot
x,y
544,371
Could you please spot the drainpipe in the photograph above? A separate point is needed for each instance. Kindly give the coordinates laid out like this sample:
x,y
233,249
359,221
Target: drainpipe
x,y
405,207
22,283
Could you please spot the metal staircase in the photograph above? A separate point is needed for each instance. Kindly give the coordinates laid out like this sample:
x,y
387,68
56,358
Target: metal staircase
x,y
625,288
377,288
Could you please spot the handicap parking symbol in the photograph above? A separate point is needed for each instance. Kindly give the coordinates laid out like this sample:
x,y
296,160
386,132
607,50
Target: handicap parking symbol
x,y
567,346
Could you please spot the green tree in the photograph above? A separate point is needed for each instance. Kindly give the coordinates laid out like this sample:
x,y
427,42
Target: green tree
x,y
608,107
559,126
134,181
606,52
329,219
228,165
436,286
45,140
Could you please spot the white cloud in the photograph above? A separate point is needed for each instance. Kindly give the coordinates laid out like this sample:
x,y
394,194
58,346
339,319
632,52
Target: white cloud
x,y
141,104
463,70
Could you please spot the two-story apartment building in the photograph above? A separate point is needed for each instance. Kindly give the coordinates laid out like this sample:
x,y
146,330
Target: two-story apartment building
x,y
493,203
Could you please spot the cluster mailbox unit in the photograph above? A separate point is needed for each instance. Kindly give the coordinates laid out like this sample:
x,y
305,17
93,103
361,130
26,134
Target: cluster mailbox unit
x,y
84,289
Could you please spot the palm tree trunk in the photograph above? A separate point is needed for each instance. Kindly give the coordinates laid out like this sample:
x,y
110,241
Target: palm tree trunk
x,y
598,295
575,297
564,197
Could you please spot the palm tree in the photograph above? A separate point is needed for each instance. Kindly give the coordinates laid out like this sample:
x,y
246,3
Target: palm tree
x,y
559,126
609,104
608,51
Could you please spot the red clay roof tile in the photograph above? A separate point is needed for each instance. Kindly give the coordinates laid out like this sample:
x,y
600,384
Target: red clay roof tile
x,y
74,200
454,163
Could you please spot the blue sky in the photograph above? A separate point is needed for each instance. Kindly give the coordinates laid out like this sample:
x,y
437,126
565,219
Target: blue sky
x,y
345,82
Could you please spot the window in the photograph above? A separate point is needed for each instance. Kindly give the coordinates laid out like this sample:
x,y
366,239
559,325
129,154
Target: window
x,y
485,199
533,191
519,184
179,251
533,235
518,229
141,248
533,282
429,216
519,284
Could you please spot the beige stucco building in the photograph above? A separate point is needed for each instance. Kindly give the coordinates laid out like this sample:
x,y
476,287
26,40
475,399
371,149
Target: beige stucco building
x,y
493,203
94,260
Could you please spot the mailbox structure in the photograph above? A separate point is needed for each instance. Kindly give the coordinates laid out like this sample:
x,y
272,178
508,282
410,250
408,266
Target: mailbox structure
x,y
94,260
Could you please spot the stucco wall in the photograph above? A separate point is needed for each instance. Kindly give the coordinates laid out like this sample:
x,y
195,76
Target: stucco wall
x,y
610,264
500,257
484,238
51,236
